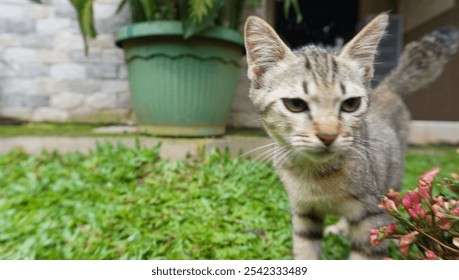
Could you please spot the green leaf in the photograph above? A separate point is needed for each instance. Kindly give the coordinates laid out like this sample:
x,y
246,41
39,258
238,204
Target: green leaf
x,y
194,24
198,9
121,6
287,6
137,11
148,8
86,19
236,9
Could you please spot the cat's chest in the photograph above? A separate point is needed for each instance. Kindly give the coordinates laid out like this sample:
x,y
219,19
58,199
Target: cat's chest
x,y
330,191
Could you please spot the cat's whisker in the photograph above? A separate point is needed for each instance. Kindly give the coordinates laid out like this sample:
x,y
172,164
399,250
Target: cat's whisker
x,y
266,154
270,154
258,148
284,156
254,121
366,149
358,153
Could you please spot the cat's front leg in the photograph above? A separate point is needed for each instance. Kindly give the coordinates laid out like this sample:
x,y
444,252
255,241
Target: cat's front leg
x,y
360,227
307,235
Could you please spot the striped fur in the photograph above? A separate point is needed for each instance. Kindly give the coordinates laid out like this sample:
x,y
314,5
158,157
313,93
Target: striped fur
x,y
335,153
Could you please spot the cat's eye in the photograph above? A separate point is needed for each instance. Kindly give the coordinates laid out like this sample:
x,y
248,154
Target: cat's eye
x,y
351,105
295,105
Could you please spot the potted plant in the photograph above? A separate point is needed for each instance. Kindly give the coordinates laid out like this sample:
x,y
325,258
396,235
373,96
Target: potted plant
x,y
183,61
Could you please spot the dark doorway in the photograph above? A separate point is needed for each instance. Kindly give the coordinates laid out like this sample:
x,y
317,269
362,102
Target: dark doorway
x,y
325,22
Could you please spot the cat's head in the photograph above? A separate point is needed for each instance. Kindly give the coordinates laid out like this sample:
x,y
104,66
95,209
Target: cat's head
x,y
310,100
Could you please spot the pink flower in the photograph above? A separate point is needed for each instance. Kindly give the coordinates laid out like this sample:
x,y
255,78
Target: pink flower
x,y
391,229
389,205
395,196
430,255
411,199
420,212
439,200
438,211
374,237
425,182
444,223
456,212
412,203
406,241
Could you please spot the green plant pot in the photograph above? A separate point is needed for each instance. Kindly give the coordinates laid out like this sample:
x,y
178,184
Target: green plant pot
x,y
181,87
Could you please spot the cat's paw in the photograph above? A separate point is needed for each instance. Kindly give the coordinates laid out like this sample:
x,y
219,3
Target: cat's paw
x,y
340,228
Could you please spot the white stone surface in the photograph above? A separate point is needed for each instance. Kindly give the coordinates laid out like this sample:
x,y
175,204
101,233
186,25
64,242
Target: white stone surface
x,y
44,68
115,86
67,100
113,56
36,11
20,113
104,10
103,41
53,56
48,114
9,40
68,71
13,10
434,132
14,86
52,25
20,54
101,100
49,86
68,41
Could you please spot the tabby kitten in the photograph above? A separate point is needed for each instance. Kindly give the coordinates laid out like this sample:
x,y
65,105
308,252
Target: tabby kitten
x,y
340,144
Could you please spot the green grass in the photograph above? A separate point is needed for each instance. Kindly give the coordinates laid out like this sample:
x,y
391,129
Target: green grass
x,y
120,203
70,130
80,130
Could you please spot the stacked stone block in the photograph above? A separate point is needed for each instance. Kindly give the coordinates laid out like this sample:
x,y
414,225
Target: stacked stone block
x,y
45,75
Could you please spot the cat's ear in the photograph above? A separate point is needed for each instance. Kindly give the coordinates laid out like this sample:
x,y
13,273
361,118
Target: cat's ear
x,y
362,48
264,47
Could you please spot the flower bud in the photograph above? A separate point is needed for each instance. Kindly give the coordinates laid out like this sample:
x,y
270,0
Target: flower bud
x,y
374,237
425,182
395,196
389,205
444,223
438,211
406,241
456,241
391,229
430,255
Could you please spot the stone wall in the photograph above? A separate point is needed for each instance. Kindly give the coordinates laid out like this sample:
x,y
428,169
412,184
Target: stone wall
x,y
45,75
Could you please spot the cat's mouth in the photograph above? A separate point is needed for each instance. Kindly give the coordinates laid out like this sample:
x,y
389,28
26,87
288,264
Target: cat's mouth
x,y
320,155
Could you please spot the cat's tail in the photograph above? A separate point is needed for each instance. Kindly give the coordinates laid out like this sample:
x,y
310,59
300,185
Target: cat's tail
x,y
422,61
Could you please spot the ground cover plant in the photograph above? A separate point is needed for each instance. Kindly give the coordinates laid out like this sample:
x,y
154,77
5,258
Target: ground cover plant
x,y
426,225
122,203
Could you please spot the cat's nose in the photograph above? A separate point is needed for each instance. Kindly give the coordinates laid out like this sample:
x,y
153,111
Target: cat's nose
x,y
327,138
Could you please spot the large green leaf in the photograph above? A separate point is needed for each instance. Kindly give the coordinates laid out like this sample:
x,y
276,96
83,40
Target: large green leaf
x,y
86,19
194,19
